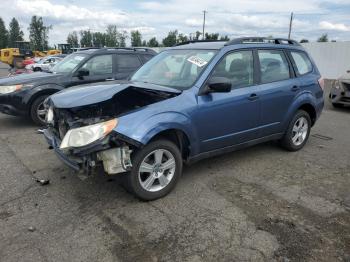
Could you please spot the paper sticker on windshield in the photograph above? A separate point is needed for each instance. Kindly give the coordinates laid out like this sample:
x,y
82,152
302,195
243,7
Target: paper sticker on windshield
x,y
197,61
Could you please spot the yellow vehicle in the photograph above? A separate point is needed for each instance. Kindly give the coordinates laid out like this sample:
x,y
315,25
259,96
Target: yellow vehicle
x,y
14,57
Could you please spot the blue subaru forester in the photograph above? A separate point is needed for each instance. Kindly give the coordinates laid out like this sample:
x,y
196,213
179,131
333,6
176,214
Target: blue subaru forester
x,y
190,102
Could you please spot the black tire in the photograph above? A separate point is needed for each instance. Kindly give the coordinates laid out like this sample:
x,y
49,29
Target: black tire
x,y
336,105
133,183
37,69
34,108
287,141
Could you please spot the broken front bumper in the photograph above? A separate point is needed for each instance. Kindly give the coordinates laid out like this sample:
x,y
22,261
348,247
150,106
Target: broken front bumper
x,y
115,160
54,143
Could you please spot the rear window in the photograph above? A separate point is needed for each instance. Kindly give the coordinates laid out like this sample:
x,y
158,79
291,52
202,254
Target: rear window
x,y
128,61
301,62
273,66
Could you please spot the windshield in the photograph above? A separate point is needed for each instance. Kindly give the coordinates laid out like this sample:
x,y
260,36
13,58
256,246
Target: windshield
x,y
174,68
68,64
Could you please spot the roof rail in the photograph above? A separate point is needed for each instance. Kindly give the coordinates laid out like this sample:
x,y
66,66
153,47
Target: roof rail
x,y
197,41
262,40
145,49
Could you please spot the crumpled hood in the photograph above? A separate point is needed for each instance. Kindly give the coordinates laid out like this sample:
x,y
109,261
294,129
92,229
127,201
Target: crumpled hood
x,y
32,78
88,95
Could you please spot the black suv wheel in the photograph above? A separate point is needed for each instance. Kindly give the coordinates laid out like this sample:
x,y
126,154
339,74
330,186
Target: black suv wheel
x,y
37,110
156,170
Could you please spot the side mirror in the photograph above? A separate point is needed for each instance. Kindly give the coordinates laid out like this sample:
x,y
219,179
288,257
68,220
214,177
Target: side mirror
x,y
82,72
219,85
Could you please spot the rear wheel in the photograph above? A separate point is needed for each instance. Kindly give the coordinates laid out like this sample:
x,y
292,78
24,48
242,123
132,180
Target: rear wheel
x,y
37,110
156,170
37,69
298,132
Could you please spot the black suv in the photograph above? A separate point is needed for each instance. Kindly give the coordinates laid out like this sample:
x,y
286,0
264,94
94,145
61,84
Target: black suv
x,y
25,94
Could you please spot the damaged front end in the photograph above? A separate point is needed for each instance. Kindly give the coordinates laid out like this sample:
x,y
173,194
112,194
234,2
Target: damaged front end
x,y
84,136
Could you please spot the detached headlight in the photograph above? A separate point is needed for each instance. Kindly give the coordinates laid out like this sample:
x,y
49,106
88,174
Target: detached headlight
x,y
83,136
10,89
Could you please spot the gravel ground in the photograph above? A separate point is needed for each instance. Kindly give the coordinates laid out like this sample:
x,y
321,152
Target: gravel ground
x,y
257,204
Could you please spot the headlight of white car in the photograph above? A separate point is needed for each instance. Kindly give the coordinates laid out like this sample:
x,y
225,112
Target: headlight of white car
x,y
10,89
83,136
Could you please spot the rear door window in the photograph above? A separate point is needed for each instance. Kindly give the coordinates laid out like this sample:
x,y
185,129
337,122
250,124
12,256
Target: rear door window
x,y
273,66
301,62
145,58
128,61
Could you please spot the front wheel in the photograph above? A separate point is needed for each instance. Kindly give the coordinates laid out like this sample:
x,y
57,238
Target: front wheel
x,y
156,170
298,132
37,110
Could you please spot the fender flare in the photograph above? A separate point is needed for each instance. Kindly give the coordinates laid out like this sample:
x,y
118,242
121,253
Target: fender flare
x,y
155,124
46,89
305,98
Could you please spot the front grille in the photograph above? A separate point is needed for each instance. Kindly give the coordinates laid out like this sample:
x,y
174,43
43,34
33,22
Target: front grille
x,y
346,86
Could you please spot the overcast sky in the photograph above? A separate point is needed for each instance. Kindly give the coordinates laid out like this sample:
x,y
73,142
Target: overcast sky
x,y
156,18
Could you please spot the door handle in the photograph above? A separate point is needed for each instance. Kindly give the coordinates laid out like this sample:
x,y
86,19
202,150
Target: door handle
x,y
110,79
295,88
253,97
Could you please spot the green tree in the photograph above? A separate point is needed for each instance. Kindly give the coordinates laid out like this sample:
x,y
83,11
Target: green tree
x,y
170,39
198,35
3,34
122,38
213,36
15,33
136,38
86,38
112,36
181,38
323,38
38,34
99,39
304,41
224,38
153,42
72,39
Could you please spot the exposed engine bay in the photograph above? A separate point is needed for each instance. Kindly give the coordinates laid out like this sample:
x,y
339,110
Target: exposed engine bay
x,y
113,151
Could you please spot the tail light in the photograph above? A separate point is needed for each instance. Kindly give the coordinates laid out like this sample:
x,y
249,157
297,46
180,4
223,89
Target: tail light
x,y
321,83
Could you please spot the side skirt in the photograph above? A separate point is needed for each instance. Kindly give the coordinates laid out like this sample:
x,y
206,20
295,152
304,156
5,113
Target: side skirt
x,y
228,149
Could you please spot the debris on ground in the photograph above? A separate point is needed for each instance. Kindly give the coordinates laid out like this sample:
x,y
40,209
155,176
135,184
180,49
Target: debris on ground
x,y
43,182
31,229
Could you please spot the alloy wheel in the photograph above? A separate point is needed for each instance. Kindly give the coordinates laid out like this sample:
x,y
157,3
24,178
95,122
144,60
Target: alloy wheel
x,y
41,112
300,130
157,170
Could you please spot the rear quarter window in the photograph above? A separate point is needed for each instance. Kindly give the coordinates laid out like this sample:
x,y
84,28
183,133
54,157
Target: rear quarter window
x,y
302,62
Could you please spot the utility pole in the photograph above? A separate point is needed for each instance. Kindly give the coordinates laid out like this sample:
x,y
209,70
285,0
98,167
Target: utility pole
x,y
204,12
290,25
